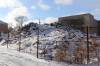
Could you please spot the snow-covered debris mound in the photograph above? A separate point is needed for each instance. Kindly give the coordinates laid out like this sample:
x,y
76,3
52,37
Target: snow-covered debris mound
x,y
50,40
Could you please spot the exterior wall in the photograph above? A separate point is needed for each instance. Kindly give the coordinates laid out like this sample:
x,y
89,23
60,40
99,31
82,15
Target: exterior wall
x,y
3,35
3,27
98,28
91,23
65,20
87,19
3,30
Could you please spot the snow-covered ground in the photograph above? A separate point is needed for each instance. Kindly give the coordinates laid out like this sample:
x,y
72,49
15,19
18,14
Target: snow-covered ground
x,y
10,57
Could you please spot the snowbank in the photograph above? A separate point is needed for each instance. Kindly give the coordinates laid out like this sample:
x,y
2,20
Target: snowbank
x,y
14,58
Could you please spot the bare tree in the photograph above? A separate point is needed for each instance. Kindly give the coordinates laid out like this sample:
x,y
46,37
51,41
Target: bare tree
x,y
20,20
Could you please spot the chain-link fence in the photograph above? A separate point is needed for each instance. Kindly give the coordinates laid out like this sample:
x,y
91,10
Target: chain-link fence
x,y
72,48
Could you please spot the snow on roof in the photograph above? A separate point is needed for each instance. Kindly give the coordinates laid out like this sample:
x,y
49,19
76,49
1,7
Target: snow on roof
x,y
2,22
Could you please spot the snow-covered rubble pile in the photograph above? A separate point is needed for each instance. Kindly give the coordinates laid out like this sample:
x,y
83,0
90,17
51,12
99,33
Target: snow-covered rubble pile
x,y
50,39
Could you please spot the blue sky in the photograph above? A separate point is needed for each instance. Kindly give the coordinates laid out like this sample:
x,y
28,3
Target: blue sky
x,y
47,10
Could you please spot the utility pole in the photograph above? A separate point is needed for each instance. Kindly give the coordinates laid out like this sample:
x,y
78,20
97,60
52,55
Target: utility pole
x,y
98,54
20,40
8,38
20,36
87,29
38,40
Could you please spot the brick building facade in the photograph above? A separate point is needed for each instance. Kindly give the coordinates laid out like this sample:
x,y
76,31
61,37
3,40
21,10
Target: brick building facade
x,y
3,30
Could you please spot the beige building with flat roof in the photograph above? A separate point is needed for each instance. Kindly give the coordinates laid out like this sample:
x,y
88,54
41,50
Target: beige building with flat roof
x,y
82,20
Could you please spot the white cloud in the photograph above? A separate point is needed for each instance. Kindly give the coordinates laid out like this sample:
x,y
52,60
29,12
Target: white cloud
x,y
33,7
47,20
96,13
34,20
97,10
10,3
21,11
50,20
82,13
78,13
18,9
63,2
43,6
